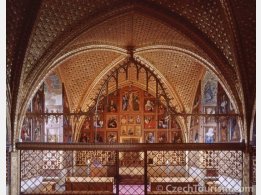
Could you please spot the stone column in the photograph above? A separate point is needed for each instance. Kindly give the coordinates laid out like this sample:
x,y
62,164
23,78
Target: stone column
x,y
246,175
15,173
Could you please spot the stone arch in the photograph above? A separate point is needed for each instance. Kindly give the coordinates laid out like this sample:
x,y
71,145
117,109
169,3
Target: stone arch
x,y
173,20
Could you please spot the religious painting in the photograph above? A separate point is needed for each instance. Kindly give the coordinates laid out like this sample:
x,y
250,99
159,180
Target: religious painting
x,y
234,131
149,122
112,137
223,129
124,119
37,130
223,101
130,130
149,105
125,101
124,130
112,107
100,106
135,101
52,83
26,132
38,100
137,130
99,137
131,119
163,122
67,128
210,134
176,137
112,121
210,91
209,110
195,136
138,119
130,101
223,104
149,137
86,124
85,137
162,137
98,122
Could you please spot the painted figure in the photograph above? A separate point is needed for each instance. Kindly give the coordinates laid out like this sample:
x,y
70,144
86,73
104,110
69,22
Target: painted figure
x,y
113,107
149,106
163,138
209,138
150,138
223,105
136,102
123,120
125,102
112,123
196,139
112,138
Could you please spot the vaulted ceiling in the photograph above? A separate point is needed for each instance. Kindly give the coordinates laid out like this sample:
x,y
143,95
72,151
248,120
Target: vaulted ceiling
x,y
83,40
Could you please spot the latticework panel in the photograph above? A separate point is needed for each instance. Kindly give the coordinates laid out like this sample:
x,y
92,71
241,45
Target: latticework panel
x,y
57,171
229,164
104,157
131,172
203,171
173,157
32,164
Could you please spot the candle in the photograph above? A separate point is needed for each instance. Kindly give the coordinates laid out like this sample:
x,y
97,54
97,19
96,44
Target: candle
x,y
88,162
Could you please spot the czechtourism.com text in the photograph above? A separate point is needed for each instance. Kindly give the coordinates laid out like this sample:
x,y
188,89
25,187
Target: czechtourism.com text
x,y
196,188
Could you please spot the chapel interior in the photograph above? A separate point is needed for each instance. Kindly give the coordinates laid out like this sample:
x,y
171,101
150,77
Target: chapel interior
x,y
131,97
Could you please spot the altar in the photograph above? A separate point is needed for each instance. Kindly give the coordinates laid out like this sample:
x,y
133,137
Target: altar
x,y
89,184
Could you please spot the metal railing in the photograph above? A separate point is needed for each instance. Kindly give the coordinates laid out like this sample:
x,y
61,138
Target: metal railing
x,y
131,168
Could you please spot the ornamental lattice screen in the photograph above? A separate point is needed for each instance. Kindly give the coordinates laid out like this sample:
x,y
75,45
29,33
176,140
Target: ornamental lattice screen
x,y
131,168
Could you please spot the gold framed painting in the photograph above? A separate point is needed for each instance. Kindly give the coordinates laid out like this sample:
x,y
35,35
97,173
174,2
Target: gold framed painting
x,y
149,137
137,130
112,121
124,131
210,134
130,130
175,137
149,122
112,137
162,137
